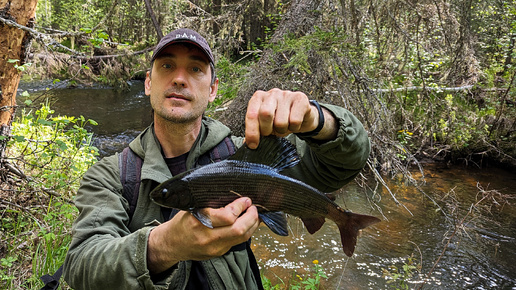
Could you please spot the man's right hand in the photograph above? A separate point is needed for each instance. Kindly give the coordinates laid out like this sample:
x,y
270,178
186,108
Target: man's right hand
x,y
185,238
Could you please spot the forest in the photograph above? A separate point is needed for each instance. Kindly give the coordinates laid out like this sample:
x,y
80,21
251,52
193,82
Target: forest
x,y
432,82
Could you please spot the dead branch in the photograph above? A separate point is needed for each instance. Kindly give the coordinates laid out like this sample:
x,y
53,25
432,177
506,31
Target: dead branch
x,y
18,172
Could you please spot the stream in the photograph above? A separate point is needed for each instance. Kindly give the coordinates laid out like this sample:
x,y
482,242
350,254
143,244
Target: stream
x,y
460,234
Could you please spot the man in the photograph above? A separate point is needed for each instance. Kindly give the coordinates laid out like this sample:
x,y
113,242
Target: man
x,y
111,250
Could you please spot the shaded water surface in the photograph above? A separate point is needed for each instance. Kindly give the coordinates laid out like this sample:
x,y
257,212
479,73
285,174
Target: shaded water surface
x,y
481,253
120,114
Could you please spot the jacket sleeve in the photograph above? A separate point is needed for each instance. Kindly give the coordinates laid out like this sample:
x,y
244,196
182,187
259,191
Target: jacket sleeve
x,y
103,253
329,165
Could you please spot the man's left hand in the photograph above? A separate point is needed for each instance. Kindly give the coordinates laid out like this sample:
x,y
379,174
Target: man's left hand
x,y
279,113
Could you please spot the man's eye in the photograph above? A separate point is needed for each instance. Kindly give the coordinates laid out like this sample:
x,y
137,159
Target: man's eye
x,y
166,65
196,69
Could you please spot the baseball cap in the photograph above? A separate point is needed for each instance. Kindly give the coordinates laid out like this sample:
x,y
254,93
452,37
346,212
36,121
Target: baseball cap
x,y
183,35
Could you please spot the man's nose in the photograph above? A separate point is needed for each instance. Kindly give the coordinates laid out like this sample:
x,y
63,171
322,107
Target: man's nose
x,y
179,78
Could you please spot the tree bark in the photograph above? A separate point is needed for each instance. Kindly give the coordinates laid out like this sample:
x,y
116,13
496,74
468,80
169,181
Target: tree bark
x,y
154,20
14,44
299,20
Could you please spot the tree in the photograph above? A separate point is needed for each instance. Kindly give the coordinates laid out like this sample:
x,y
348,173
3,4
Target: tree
x,y
154,20
14,44
299,20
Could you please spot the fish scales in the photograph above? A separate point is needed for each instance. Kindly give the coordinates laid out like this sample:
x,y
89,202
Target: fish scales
x,y
256,174
219,184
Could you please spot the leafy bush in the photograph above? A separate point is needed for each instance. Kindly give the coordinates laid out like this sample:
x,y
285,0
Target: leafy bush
x,y
54,151
47,157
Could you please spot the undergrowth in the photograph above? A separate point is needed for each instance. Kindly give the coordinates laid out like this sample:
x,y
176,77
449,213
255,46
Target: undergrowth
x,y
46,157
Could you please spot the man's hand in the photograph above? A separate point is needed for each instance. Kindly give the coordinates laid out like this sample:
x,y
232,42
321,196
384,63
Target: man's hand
x,y
280,113
185,238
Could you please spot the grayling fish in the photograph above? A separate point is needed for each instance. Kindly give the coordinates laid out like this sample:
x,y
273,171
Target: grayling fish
x,y
255,174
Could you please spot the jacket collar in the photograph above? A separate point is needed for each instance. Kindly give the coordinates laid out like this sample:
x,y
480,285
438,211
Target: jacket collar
x,y
147,146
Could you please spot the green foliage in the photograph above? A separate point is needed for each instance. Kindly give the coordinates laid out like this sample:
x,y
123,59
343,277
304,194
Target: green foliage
x,y
6,265
322,43
55,151
20,68
398,278
267,284
310,281
97,37
54,239
231,77
37,239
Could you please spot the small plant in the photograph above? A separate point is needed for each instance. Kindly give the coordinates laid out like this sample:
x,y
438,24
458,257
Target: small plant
x,y
22,67
55,150
404,137
311,281
5,269
267,284
398,278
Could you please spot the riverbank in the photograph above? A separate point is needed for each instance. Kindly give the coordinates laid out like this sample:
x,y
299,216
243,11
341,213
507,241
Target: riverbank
x,y
488,139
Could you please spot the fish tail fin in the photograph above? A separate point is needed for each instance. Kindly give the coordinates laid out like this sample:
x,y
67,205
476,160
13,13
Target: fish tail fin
x,y
349,228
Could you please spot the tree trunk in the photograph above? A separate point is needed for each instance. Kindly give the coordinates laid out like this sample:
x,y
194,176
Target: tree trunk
x,y
154,20
299,20
216,11
14,44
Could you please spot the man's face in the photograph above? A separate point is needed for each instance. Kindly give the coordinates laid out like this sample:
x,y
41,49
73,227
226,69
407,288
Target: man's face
x,y
180,84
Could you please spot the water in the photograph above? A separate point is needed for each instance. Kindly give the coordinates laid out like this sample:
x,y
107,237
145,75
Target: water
x,y
120,114
481,254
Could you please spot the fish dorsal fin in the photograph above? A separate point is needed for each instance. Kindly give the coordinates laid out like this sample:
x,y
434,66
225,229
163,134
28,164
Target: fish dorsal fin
x,y
272,151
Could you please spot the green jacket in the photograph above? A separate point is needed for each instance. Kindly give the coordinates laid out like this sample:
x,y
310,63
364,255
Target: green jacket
x,y
109,252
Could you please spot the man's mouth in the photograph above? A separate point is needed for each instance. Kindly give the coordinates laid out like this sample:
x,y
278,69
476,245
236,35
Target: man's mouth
x,y
177,96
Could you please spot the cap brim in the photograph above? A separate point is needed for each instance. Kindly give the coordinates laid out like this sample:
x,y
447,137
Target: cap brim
x,y
178,41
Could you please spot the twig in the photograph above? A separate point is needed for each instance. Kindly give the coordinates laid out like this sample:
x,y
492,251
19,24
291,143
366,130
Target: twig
x,y
379,178
22,175
416,88
445,248
26,210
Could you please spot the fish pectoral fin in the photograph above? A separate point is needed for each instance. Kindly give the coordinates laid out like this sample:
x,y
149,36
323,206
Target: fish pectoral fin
x,y
200,216
276,221
313,224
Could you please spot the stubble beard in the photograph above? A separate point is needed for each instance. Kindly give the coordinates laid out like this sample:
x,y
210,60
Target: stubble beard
x,y
187,117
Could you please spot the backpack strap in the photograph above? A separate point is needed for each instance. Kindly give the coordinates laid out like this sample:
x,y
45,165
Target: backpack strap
x,y
222,151
130,165
52,281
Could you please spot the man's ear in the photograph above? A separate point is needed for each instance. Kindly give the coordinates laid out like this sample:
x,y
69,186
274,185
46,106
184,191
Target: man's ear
x,y
147,84
213,90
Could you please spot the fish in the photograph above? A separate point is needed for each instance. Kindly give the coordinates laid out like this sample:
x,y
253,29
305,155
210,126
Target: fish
x,y
256,173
